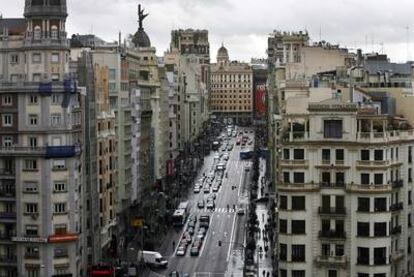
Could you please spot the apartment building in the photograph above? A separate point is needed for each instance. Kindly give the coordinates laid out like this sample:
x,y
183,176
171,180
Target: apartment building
x,y
345,192
231,95
40,134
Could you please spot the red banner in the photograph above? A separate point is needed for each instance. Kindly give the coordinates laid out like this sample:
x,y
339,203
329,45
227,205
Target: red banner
x,y
260,97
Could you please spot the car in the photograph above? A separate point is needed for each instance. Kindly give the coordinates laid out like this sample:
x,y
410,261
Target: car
x,y
197,243
215,188
226,157
190,230
181,251
194,251
241,211
185,275
188,239
200,204
173,274
192,217
214,196
202,230
200,235
210,205
206,189
191,224
196,189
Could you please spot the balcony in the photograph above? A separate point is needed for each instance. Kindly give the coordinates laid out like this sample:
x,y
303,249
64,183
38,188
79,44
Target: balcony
x,y
397,184
332,210
364,164
359,188
7,236
302,187
7,173
7,216
8,194
295,136
331,261
62,151
22,151
46,88
329,185
294,163
396,230
396,207
33,256
332,234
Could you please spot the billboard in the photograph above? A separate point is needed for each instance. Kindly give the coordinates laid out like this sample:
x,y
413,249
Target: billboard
x,y
260,99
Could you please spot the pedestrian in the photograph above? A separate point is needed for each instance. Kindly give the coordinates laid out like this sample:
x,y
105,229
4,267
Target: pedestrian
x,y
173,245
264,272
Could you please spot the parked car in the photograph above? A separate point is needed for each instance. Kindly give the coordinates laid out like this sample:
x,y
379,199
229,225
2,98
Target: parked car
x,y
196,189
181,251
206,189
210,205
194,251
215,188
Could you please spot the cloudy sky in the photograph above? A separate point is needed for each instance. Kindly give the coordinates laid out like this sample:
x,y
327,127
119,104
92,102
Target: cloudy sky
x,y
373,25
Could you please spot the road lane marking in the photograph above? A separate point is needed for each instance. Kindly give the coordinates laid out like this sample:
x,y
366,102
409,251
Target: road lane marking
x,y
204,244
231,238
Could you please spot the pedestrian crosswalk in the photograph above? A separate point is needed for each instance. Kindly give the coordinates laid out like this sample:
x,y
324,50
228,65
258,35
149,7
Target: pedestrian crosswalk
x,y
220,210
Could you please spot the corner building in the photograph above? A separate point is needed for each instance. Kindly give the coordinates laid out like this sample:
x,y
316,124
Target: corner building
x,y
345,193
40,130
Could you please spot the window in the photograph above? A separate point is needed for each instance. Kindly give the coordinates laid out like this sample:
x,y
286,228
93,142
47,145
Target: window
x,y
299,154
59,187
37,33
380,229
332,129
30,187
326,249
380,256
410,201
339,250
36,58
31,230
380,204
60,251
14,58
340,178
363,229
283,202
363,204
54,32
380,275
33,142
286,154
32,119
54,58
7,100
298,203
365,155
326,155
326,178
378,154
298,253
283,272
365,178
363,255
298,227
30,164
60,208
283,226
282,252
298,177
332,273
7,120
60,229
7,141
31,208
410,175
298,273
112,74
378,179
55,119
339,154
363,275
409,219
286,177
59,164
112,86
56,100
36,77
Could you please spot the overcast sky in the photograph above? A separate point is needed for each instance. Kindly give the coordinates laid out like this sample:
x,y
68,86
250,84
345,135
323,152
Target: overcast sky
x,y
373,25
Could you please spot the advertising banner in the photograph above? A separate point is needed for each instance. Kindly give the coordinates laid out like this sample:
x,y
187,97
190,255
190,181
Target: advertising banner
x,y
260,99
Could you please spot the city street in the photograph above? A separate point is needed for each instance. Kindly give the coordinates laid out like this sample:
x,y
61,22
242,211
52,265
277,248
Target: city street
x,y
225,224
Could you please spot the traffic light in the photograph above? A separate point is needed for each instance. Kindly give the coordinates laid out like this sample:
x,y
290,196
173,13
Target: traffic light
x,y
219,243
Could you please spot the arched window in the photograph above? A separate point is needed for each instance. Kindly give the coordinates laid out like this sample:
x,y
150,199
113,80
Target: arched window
x,y
37,33
54,32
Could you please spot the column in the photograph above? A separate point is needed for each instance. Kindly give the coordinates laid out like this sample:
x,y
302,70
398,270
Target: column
x,y
291,53
284,54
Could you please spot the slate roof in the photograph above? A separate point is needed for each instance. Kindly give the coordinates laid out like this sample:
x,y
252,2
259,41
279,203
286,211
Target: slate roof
x,y
14,25
373,66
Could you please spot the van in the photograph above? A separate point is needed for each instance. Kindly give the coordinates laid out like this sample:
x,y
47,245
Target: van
x,y
153,258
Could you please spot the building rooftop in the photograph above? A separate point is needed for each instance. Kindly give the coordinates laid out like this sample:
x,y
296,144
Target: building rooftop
x,y
15,26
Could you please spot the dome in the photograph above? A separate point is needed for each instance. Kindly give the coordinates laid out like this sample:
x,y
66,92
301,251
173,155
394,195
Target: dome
x,y
141,39
222,54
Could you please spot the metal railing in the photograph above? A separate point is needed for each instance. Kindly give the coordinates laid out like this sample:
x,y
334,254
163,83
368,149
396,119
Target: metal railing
x,y
332,210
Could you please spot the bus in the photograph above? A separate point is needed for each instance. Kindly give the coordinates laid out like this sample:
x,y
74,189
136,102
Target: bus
x,y
246,154
216,145
204,220
180,214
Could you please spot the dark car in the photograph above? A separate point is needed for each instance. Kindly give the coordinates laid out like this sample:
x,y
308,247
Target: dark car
x,y
174,274
200,204
195,251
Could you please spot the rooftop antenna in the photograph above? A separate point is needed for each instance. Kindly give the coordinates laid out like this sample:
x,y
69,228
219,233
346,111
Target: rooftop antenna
x,y
320,33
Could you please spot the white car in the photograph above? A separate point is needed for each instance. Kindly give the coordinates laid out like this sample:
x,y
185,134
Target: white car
x,y
196,189
181,251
